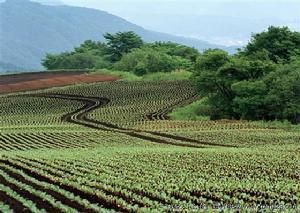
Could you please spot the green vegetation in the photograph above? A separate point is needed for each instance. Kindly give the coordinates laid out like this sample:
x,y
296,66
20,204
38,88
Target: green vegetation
x,y
261,82
124,76
121,43
158,76
147,60
110,146
66,26
178,132
88,55
48,163
277,44
198,110
127,52
171,76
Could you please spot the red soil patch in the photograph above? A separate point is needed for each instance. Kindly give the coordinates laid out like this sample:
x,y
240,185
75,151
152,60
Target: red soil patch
x,y
35,81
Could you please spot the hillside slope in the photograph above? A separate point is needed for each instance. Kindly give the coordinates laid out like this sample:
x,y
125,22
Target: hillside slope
x,y
35,29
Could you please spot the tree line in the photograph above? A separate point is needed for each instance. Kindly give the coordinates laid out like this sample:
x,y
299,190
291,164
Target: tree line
x,y
260,82
125,51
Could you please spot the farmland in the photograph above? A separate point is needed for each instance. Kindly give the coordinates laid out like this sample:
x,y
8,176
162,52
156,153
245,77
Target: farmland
x,y
111,146
34,81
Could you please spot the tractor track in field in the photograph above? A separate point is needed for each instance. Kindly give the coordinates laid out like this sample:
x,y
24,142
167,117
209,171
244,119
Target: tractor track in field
x,y
80,117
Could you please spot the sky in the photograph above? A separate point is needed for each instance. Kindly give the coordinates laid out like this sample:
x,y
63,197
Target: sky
x,y
129,8
227,22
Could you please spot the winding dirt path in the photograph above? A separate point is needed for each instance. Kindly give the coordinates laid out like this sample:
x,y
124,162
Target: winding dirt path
x,y
80,117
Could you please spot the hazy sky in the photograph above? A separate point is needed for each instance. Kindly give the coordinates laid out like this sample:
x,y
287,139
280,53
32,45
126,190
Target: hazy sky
x,y
131,7
226,22
220,21
182,6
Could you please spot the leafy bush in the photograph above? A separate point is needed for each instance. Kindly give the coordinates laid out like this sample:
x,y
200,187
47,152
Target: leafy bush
x,y
147,60
88,55
174,49
198,110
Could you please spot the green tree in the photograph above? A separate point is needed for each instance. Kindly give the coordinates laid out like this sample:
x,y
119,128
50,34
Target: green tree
x,y
245,68
275,96
249,101
229,82
71,61
94,47
280,43
90,54
53,61
79,61
174,49
147,60
283,97
212,60
211,84
206,72
122,43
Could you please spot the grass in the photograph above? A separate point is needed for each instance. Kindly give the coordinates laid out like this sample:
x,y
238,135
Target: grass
x,y
159,76
124,76
171,76
196,111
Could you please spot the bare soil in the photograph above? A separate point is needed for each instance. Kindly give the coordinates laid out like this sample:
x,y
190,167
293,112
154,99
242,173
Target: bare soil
x,y
42,80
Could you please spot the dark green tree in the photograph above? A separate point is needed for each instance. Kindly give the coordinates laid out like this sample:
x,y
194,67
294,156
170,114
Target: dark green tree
x,y
94,47
122,43
147,60
280,43
90,54
206,75
275,96
212,84
249,101
283,97
230,84
174,49
70,61
54,61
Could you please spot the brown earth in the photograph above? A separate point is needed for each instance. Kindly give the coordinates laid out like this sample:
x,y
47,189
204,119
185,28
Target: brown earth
x,y
43,80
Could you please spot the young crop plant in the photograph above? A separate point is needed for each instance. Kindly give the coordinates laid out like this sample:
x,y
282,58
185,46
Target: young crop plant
x,y
111,147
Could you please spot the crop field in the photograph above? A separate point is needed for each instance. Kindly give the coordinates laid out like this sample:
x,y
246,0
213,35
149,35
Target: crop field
x,y
41,80
111,147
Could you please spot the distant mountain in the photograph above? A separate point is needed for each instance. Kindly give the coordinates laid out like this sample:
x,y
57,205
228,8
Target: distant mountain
x,y
49,2
225,22
29,30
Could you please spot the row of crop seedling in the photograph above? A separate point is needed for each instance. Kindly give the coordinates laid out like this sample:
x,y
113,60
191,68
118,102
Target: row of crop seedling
x,y
9,142
71,201
105,196
142,197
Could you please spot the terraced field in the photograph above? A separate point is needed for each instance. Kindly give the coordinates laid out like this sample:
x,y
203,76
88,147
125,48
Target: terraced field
x,y
108,147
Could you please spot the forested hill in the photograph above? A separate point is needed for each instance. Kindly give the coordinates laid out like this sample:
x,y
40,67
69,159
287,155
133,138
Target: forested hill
x,y
29,30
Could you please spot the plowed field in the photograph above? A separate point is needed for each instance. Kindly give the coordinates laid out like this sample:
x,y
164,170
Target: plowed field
x,y
43,80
